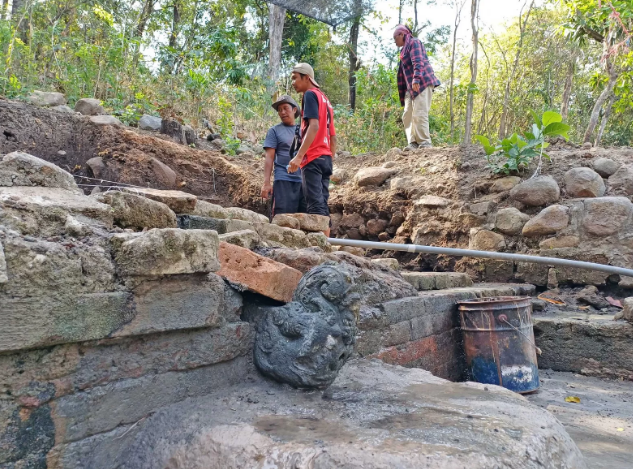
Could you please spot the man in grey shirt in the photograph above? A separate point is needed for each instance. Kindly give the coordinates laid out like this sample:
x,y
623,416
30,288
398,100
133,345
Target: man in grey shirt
x,y
286,191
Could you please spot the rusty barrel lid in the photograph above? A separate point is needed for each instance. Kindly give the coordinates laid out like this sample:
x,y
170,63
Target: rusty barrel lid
x,y
494,303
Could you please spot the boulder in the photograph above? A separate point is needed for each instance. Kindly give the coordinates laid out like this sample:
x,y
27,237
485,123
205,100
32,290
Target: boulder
x,y
510,221
89,107
339,176
373,176
432,201
549,221
311,222
287,221
22,169
605,167
607,215
247,239
105,120
387,262
622,180
484,240
148,122
504,184
246,215
206,209
246,270
375,227
560,243
179,202
46,98
536,192
164,174
167,251
134,211
584,182
96,166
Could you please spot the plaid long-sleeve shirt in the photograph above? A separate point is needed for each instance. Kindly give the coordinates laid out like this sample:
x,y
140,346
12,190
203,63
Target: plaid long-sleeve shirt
x,y
414,67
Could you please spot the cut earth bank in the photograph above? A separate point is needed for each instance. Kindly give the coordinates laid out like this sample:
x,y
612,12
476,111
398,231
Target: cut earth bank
x,y
127,342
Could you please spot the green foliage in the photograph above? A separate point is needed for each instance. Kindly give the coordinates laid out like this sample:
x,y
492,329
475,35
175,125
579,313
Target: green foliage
x,y
514,154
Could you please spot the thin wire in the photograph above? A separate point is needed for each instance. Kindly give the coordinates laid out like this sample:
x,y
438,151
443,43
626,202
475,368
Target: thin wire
x,y
111,182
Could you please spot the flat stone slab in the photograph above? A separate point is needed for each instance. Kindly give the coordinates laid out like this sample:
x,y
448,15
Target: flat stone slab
x,y
425,281
178,201
373,416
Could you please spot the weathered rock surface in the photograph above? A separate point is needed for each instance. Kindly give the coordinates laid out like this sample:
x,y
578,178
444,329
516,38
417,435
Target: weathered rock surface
x,y
605,167
549,221
134,211
179,202
392,416
206,209
287,221
302,260
246,215
376,226
97,166
535,192
46,98
339,176
373,176
63,108
166,252
591,296
89,107
510,220
105,120
484,240
164,174
607,215
249,271
150,123
310,222
4,276
248,239
278,236
584,182
627,312
22,169
622,180
387,262
560,242
306,342
482,208
504,184
432,201
222,225
425,281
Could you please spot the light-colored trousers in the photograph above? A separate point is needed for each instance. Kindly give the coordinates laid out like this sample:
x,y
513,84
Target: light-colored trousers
x,y
416,117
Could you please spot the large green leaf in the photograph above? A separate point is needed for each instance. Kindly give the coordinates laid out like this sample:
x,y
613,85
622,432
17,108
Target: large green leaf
x,y
556,129
483,140
551,117
537,119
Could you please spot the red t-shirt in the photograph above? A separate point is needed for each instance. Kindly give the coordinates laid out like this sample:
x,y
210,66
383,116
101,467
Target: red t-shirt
x,y
325,114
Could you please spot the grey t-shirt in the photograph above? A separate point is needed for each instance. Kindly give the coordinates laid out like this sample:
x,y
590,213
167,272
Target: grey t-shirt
x,y
280,137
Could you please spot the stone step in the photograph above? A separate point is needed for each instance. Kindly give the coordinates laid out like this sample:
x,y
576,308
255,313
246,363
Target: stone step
x,y
425,281
590,344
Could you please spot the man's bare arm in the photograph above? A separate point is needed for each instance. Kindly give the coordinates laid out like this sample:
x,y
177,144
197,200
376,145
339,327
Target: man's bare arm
x,y
311,133
267,188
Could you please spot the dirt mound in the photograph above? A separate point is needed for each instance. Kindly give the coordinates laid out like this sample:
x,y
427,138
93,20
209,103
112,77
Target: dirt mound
x,y
128,156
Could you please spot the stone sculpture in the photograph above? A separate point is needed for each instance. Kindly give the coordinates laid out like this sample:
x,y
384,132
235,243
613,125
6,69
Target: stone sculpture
x,y
306,342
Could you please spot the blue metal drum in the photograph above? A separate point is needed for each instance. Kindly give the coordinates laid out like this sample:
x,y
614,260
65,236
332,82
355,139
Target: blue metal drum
x,y
499,342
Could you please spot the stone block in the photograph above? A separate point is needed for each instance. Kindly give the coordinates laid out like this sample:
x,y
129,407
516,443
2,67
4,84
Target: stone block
x,y
222,225
148,122
549,221
397,334
536,192
134,211
166,252
22,169
310,222
606,215
248,239
278,236
238,213
387,262
46,98
209,210
628,309
319,240
373,176
249,271
497,271
89,107
425,281
287,221
300,259
179,202
536,274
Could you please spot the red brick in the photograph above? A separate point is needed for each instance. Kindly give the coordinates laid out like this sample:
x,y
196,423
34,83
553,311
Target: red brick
x,y
257,273
409,352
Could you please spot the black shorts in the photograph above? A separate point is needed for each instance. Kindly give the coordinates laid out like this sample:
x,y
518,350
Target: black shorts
x,y
316,185
287,198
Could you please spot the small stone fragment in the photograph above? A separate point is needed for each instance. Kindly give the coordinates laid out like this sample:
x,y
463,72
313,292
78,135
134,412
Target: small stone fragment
x,y
590,295
4,276
375,227
549,221
432,201
63,108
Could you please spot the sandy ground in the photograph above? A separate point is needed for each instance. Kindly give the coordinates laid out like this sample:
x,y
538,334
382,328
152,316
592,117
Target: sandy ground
x,y
601,424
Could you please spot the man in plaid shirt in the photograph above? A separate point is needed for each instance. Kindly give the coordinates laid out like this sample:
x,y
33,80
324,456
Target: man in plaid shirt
x,y
416,82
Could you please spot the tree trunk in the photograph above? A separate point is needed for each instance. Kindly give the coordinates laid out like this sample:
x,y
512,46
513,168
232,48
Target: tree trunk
x,y
276,19
146,13
174,26
474,20
605,118
506,97
16,7
458,19
353,62
569,81
595,113
400,11
415,13
5,9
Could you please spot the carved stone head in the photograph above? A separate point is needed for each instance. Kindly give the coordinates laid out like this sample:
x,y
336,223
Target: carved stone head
x,y
306,342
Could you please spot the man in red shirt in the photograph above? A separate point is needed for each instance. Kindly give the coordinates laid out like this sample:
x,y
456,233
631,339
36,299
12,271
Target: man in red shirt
x,y
318,141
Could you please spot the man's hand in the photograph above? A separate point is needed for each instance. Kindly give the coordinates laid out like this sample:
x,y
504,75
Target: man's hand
x,y
294,164
267,190
416,87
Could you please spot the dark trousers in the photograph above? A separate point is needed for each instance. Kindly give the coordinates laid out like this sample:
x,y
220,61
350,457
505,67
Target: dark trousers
x,y
287,198
316,185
